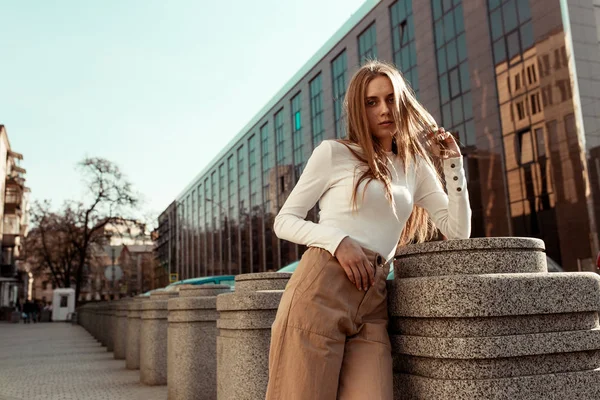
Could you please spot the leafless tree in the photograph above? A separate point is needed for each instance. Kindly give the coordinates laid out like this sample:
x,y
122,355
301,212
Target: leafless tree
x,y
61,242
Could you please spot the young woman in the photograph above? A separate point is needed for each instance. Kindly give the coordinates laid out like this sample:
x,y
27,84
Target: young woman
x,y
376,191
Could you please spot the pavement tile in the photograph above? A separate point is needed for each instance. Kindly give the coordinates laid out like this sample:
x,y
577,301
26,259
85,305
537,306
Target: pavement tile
x,y
60,361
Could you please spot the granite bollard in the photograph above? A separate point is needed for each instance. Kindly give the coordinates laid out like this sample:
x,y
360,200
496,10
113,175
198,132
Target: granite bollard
x,y
153,338
245,319
192,342
111,325
134,323
120,330
103,323
483,319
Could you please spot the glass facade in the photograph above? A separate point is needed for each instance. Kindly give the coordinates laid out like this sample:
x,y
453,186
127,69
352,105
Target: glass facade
x,y
404,46
511,28
367,44
280,137
297,138
534,120
316,110
453,71
266,168
339,70
454,85
530,159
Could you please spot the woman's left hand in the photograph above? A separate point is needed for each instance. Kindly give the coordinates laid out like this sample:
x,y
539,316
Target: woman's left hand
x,y
443,144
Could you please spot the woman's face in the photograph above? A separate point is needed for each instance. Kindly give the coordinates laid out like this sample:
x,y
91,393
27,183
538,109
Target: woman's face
x,y
379,104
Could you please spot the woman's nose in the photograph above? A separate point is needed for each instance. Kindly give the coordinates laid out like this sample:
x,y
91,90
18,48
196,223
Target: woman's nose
x,y
385,109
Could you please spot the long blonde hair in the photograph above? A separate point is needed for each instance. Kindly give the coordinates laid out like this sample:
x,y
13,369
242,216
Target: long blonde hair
x,y
410,118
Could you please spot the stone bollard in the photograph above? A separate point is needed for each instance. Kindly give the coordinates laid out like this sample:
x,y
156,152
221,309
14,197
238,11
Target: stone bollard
x,y
134,324
153,338
483,319
111,325
103,323
95,321
245,319
120,331
192,343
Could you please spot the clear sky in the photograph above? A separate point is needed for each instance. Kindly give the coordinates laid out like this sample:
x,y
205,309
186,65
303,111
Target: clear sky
x,y
159,87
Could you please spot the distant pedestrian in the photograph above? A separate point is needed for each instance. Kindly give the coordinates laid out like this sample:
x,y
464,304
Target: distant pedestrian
x,y
27,311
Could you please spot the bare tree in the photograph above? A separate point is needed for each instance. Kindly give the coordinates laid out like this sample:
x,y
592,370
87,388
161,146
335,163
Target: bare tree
x,y
61,241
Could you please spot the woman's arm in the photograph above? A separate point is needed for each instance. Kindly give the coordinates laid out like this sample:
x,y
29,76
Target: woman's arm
x,y
290,223
450,212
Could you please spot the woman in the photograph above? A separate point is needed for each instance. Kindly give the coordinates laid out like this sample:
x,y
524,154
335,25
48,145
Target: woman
x,y
375,191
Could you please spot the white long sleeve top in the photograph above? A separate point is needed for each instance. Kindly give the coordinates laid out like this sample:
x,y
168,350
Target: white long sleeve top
x,y
329,178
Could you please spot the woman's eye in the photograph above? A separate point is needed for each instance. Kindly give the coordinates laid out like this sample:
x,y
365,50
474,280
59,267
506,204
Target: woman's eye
x,y
370,103
390,100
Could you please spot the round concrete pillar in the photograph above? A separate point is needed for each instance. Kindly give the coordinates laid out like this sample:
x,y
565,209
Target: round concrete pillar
x,y
103,323
134,324
192,343
111,325
482,318
245,319
120,331
153,338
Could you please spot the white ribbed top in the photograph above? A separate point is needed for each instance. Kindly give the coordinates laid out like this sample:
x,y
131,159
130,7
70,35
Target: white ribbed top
x,y
329,178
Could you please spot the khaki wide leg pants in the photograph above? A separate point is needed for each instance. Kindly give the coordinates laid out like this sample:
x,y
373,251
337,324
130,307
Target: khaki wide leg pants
x,y
329,340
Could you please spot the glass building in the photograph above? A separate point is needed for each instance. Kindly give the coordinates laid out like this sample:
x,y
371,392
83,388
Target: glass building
x,y
516,81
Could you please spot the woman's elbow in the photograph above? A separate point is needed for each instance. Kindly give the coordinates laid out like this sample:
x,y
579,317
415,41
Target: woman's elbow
x,y
463,230
278,225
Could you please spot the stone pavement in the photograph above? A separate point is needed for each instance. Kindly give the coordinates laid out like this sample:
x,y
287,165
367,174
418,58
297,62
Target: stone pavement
x,y
59,361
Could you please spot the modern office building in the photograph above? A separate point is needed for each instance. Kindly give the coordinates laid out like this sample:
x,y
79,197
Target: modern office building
x,y
517,81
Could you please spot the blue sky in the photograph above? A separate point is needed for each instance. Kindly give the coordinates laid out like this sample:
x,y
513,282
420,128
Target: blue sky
x,y
159,87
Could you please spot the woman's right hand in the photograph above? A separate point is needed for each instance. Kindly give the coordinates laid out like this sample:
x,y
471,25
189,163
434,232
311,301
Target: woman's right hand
x,y
357,266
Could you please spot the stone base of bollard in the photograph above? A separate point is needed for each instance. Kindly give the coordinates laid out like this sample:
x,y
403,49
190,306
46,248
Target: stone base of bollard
x,y
569,385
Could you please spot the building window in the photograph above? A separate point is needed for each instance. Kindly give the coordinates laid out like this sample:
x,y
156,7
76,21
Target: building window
x,y
510,28
453,71
338,72
231,186
316,110
297,139
367,44
264,140
214,201
535,103
531,75
520,110
241,179
547,95
403,41
253,170
280,148
222,182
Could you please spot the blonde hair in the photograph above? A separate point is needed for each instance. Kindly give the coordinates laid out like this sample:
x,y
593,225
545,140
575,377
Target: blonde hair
x,y
410,118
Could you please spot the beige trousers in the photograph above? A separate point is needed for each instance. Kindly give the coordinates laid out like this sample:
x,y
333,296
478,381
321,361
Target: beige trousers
x,y
329,340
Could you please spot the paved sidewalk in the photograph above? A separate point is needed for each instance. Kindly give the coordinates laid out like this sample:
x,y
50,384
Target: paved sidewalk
x,y
59,361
